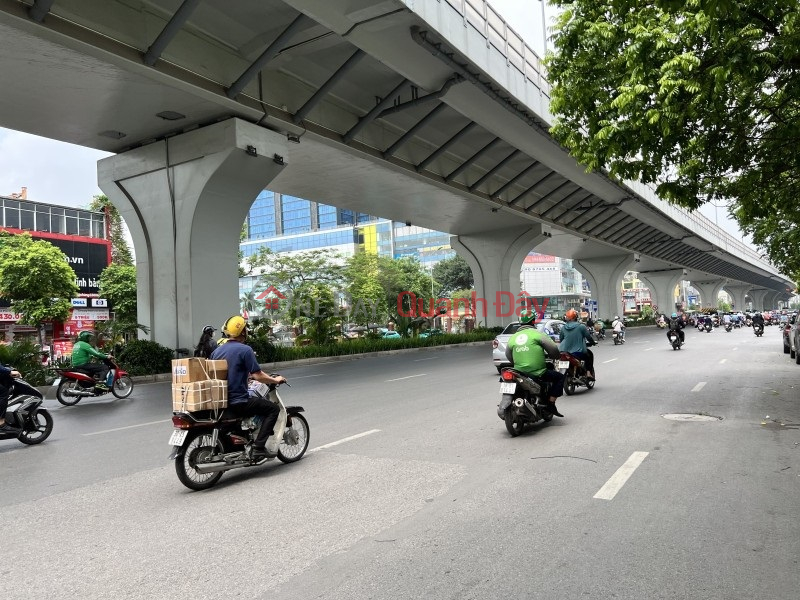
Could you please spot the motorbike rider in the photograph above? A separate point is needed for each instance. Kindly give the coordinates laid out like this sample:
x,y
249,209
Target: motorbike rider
x,y
7,375
726,320
675,323
574,336
242,365
758,321
527,350
206,345
82,353
618,326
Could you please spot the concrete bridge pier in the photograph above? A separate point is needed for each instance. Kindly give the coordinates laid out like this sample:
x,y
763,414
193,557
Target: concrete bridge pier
x,y
662,287
771,300
758,298
709,291
495,258
604,275
738,294
184,200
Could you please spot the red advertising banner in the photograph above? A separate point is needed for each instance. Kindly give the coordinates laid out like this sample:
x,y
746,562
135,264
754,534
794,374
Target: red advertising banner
x,y
75,327
539,258
62,348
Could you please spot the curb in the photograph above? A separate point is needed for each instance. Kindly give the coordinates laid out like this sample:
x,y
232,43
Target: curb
x,y
275,366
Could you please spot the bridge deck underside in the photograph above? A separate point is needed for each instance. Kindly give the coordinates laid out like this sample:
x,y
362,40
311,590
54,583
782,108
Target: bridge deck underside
x,y
269,63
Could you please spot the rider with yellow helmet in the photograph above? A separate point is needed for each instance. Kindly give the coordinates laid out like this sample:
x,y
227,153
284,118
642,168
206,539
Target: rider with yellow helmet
x,y
242,365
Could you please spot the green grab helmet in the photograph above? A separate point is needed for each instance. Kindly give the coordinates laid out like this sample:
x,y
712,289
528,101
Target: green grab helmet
x,y
674,315
527,317
84,336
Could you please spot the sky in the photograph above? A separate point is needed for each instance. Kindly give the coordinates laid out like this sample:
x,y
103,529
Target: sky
x,y
59,173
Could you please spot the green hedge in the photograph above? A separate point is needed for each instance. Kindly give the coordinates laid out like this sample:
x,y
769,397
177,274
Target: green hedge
x,y
268,353
145,357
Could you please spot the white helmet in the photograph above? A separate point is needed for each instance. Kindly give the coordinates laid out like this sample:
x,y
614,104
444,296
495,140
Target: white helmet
x,y
616,318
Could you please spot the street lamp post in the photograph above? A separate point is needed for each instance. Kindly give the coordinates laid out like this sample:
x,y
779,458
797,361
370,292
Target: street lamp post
x,y
544,28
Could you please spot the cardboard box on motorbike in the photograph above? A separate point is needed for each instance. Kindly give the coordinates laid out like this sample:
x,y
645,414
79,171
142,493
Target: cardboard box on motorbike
x,y
199,384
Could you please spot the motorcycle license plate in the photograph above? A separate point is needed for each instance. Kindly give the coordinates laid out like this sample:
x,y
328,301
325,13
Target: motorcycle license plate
x,y
56,381
177,437
508,387
563,364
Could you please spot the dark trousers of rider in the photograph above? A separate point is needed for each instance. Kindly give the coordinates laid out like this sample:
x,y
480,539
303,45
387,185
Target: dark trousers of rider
x,y
556,381
680,334
96,370
263,407
5,392
587,358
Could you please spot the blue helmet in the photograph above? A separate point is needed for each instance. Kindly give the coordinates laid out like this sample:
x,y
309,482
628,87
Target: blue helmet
x,y
674,315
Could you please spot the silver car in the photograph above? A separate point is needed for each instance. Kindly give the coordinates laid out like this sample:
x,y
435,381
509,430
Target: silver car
x,y
551,327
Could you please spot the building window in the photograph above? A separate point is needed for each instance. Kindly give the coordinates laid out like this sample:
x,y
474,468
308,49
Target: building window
x,y
11,214
56,220
326,216
296,215
71,218
26,219
43,218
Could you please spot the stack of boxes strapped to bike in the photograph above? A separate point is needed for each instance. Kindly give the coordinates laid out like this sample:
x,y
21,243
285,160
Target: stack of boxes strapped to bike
x,y
199,384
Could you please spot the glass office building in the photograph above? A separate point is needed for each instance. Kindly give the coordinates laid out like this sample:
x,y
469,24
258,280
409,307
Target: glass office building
x,y
285,223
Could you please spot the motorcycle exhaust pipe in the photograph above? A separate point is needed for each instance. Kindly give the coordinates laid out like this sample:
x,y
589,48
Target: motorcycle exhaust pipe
x,y
519,402
216,467
79,392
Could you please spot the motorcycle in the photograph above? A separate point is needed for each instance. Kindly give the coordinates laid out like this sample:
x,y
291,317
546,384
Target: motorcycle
x,y
758,330
618,337
523,400
73,385
24,412
707,327
728,327
574,371
675,339
207,443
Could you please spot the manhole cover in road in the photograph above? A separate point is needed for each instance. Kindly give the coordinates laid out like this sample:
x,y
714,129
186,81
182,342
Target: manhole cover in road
x,y
690,417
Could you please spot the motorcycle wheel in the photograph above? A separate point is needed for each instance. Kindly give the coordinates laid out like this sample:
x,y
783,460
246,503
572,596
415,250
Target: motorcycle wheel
x,y
514,423
569,386
194,450
37,428
122,387
590,383
68,384
295,440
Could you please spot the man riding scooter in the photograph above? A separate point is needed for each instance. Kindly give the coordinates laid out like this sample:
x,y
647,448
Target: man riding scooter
x,y
574,338
82,353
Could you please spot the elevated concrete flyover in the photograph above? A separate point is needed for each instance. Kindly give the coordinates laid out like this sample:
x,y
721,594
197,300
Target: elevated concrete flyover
x,y
431,112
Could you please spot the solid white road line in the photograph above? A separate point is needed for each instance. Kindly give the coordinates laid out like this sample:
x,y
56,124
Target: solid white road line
x,y
618,479
347,439
128,427
724,360
409,377
699,386
646,349
304,376
608,361
421,359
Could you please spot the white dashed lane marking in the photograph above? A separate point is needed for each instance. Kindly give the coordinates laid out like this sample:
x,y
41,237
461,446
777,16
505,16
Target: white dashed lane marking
x,y
699,386
618,479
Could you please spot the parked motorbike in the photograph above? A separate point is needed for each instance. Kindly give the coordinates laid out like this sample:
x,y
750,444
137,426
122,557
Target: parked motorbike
x,y
674,339
207,443
523,400
574,370
73,385
25,413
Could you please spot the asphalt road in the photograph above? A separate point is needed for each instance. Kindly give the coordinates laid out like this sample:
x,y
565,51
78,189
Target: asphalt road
x,y
436,500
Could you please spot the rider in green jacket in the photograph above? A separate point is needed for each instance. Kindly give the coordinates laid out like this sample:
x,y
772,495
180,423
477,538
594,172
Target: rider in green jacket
x,y
82,353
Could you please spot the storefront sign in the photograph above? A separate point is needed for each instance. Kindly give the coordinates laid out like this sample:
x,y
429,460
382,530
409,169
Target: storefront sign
x,y
62,348
91,314
80,302
72,328
12,317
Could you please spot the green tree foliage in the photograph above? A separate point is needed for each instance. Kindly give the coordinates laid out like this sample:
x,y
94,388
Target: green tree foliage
x,y
362,274
145,357
699,97
120,251
453,274
35,278
118,285
297,276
